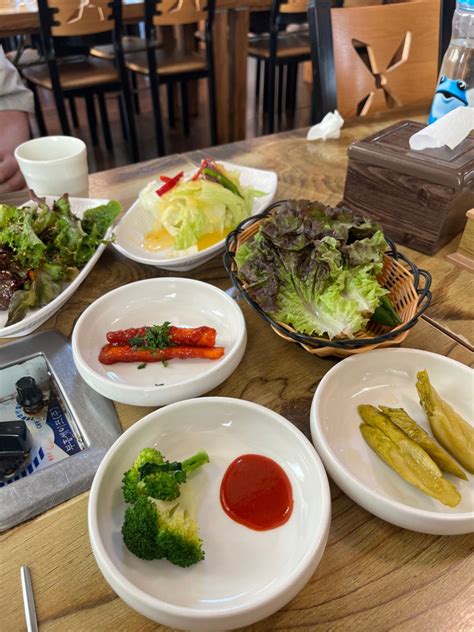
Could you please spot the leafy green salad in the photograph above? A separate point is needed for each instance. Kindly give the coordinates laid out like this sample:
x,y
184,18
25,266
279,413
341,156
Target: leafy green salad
x,y
42,247
316,268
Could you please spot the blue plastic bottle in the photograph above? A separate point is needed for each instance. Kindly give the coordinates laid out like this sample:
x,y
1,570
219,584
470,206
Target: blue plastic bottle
x,y
455,86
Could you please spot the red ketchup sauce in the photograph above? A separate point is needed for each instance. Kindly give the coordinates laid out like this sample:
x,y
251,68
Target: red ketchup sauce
x,y
256,492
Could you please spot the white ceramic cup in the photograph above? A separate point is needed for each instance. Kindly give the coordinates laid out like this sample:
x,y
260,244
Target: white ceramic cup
x,y
53,165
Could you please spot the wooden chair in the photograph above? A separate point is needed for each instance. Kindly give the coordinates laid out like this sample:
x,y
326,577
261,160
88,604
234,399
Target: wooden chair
x,y
371,58
176,66
278,49
87,77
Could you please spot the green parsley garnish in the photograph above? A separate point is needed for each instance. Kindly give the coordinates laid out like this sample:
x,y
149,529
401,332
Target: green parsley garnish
x,y
165,363
141,366
155,337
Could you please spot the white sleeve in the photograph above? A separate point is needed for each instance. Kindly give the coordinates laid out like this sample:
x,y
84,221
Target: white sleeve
x,y
13,94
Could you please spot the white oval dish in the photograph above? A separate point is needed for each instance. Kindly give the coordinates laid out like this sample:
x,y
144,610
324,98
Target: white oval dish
x,y
182,302
36,317
246,575
138,221
387,377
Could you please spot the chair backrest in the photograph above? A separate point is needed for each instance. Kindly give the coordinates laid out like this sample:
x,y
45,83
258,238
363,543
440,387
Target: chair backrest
x,y
380,56
68,18
170,12
294,6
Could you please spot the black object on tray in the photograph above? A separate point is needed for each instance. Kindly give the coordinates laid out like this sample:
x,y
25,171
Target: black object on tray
x,y
398,269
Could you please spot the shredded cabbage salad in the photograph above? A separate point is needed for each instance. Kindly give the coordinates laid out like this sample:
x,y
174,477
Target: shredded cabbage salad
x,y
212,202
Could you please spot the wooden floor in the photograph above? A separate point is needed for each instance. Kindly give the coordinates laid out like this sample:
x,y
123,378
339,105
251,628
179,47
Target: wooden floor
x,y
100,158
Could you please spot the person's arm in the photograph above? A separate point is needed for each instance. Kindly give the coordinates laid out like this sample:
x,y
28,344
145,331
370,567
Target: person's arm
x,y
14,130
15,103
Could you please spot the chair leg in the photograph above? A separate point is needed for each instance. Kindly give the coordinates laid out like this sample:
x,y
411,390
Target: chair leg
x,y
42,129
62,114
265,87
91,117
257,82
155,97
271,96
136,97
130,122
295,88
170,101
122,118
281,74
289,80
104,120
291,86
184,106
72,109
212,107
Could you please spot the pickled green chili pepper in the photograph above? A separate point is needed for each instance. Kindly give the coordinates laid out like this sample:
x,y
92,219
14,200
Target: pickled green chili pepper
x,y
385,313
409,426
405,456
221,178
454,433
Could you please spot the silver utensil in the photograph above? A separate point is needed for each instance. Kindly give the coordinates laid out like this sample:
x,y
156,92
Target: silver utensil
x,y
28,600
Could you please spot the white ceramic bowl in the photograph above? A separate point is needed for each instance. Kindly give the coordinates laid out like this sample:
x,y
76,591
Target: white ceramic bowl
x,y
182,302
246,575
387,377
36,317
138,221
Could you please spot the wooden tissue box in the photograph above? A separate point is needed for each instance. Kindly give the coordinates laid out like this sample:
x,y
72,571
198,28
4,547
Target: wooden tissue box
x,y
419,197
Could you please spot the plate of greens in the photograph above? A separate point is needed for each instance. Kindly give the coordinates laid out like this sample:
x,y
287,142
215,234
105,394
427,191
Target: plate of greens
x,y
48,246
179,222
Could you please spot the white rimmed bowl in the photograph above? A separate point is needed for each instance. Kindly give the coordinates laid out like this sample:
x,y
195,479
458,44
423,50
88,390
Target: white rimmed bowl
x,y
387,377
182,302
246,575
138,221
36,317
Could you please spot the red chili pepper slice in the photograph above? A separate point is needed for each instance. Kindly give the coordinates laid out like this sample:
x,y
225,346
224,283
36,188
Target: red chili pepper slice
x,y
172,182
198,173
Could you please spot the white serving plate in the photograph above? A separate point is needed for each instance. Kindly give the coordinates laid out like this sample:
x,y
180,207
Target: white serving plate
x,y
138,221
182,302
387,377
36,317
246,575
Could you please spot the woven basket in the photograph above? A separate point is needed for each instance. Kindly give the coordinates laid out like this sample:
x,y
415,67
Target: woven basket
x,y
399,275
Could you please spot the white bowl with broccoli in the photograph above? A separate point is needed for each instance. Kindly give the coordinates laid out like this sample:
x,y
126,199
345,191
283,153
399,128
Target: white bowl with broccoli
x,y
245,575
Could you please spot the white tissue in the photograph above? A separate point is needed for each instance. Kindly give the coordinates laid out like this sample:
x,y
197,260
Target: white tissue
x,y
330,127
449,130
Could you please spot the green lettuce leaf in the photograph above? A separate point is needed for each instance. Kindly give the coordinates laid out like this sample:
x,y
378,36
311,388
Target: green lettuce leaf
x,y
97,220
20,237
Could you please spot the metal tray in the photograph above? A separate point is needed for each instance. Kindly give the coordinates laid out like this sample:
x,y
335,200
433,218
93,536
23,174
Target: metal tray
x,y
94,416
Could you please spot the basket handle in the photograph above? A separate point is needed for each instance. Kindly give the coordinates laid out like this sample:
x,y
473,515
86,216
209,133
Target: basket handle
x,y
424,294
397,255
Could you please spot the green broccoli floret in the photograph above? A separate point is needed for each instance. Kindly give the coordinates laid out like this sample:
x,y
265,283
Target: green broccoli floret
x,y
155,529
151,475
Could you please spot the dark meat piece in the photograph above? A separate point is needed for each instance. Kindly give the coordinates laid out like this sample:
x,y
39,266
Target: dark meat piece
x,y
5,259
9,284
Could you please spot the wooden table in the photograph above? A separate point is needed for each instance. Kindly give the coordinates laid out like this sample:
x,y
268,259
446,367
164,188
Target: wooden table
x,y
231,27
373,576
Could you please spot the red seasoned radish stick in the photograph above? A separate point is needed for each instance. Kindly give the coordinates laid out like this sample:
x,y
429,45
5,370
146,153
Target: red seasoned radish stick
x,y
111,354
188,336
